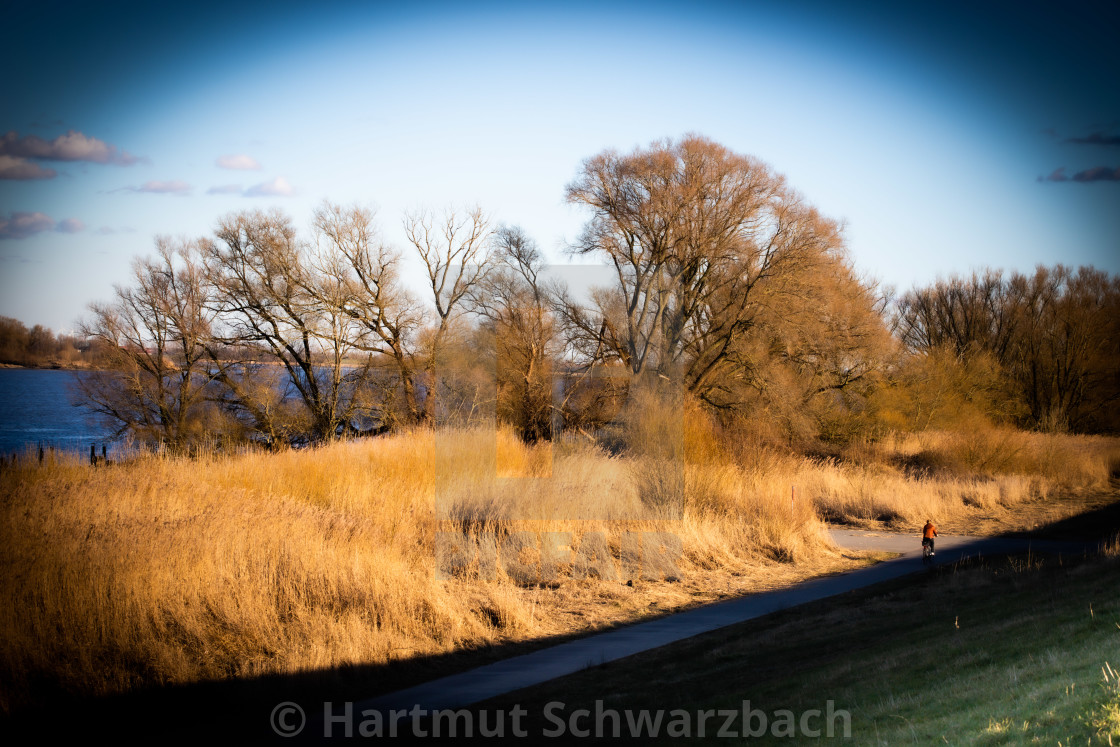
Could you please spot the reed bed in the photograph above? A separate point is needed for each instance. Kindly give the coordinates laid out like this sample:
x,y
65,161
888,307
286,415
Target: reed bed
x,y
167,569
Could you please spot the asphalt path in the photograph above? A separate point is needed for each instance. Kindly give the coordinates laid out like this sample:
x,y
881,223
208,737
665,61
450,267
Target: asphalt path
x,y
540,666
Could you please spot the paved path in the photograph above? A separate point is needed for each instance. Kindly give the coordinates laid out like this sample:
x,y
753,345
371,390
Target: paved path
x,y
540,666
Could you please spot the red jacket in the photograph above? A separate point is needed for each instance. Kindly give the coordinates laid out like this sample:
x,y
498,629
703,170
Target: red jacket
x,y
929,531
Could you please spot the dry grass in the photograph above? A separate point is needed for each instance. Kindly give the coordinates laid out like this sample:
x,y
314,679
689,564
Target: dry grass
x,y
977,483
170,570
174,570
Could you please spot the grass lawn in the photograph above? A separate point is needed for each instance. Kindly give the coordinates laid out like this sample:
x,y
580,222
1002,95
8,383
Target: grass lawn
x,y
1008,651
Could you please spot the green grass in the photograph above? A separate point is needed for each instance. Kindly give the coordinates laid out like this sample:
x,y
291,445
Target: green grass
x,y
1012,651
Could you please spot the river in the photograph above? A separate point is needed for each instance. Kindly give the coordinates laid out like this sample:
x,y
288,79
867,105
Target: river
x,y
38,406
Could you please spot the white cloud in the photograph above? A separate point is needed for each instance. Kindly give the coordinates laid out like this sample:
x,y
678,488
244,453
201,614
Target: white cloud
x,y
238,162
73,146
278,187
70,225
174,186
13,167
22,225
225,189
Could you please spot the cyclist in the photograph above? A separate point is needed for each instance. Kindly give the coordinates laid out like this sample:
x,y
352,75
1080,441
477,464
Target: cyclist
x,y
929,531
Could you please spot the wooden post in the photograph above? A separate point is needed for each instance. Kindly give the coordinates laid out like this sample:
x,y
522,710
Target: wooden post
x,y
104,459
92,455
40,453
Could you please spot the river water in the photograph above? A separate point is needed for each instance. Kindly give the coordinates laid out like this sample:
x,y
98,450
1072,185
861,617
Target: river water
x,y
38,406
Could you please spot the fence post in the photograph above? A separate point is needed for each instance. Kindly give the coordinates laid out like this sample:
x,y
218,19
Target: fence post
x,y
92,455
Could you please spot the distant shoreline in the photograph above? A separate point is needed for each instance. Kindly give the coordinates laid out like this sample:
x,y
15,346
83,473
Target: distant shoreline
x,y
51,366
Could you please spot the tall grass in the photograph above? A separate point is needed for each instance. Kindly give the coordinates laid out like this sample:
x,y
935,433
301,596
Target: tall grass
x,y
172,570
906,478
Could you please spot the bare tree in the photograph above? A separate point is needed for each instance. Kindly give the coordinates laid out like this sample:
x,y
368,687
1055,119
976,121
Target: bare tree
x,y
1065,355
285,301
512,299
389,317
701,240
821,353
454,248
154,336
964,314
1053,333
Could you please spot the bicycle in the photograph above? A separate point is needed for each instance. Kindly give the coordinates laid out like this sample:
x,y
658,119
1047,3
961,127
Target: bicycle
x,y
927,554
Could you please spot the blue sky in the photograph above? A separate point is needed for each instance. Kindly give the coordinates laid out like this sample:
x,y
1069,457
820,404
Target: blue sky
x,y
935,131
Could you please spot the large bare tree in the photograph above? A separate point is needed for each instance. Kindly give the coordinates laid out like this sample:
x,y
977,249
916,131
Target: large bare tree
x,y
284,300
701,240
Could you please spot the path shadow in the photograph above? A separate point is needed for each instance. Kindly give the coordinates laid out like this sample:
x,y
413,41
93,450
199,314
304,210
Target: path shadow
x,y
237,710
